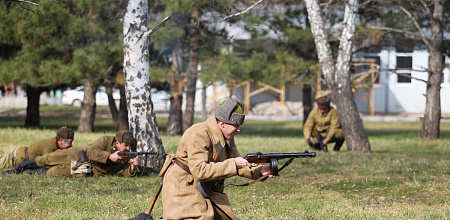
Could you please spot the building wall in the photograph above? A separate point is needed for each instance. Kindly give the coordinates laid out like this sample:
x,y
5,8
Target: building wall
x,y
396,97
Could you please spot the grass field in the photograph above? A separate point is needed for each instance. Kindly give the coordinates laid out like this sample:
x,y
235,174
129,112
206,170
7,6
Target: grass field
x,y
404,178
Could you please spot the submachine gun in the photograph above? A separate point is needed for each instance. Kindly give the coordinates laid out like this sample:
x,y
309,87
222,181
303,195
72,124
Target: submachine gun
x,y
272,159
133,154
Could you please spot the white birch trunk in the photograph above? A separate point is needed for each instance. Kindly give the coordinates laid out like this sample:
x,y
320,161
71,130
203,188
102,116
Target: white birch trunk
x,y
338,76
142,119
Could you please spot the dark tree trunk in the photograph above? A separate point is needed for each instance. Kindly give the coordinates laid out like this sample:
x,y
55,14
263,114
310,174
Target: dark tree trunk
x,y
111,103
33,118
188,116
307,101
122,119
119,115
174,126
87,115
204,113
432,115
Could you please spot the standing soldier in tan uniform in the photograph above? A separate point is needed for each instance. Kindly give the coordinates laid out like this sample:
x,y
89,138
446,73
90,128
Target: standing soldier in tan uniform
x,y
101,158
325,120
63,140
193,178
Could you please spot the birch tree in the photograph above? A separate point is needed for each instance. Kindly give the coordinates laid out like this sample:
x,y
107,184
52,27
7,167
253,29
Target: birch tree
x,y
141,116
337,75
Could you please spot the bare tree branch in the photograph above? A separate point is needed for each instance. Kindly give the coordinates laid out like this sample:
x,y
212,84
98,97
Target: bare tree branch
x,y
416,24
20,1
394,71
424,4
395,30
22,4
26,8
411,77
363,4
149,32
242,12
327,4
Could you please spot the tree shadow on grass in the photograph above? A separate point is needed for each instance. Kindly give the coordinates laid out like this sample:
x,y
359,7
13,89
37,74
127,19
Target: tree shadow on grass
x,y
56,122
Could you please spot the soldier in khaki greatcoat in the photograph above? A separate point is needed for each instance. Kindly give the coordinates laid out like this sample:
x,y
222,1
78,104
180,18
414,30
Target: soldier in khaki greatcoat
x,y
193,178
63,140
325,119
101,158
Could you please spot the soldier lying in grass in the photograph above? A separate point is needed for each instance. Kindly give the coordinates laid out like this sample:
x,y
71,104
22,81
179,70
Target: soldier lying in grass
x,y
98,159
63,140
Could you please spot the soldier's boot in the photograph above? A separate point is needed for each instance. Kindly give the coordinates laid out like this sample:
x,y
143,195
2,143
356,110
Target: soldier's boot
x,y
29,164
338,144
142,216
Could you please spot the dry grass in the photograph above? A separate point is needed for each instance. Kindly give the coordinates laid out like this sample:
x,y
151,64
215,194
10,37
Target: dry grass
x,y
404,178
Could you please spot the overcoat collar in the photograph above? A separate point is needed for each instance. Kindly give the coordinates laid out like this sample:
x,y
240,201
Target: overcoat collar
x,y
217,137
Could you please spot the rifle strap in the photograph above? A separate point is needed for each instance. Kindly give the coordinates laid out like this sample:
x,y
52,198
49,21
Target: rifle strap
x,y
262,178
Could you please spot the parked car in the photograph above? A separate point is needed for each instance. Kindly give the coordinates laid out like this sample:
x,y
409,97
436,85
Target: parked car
x,y
75,96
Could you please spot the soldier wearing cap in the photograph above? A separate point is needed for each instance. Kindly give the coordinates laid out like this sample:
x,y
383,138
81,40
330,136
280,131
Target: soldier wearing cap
x,y
193,178
101,158
103,154
63,140
326,121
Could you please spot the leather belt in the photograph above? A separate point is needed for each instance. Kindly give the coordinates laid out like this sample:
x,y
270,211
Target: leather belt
x,y
26,154
182,166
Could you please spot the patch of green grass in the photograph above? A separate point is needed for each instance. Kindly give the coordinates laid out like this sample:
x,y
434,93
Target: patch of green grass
x,y
404,178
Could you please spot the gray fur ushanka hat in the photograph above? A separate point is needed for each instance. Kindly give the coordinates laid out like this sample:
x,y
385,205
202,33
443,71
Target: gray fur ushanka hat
x,y
230,111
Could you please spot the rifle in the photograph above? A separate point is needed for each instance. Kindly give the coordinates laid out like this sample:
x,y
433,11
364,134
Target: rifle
x,y
273,158
133,154
319,138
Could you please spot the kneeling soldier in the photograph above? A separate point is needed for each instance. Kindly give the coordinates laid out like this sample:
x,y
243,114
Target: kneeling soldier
x,y
325,119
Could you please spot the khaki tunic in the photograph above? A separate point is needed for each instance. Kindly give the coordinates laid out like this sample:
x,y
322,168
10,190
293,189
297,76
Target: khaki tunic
x,y
328,125
210,158
98,153
58,161
38,149
17,155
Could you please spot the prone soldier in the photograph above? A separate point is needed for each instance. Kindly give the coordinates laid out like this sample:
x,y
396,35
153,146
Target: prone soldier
x,y
63,140
98,159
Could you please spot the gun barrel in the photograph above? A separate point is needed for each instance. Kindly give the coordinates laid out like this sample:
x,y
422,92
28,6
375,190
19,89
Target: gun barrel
x,y
134,154
266,158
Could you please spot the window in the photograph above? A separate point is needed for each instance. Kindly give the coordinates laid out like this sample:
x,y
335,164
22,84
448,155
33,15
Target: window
x,y
404,67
